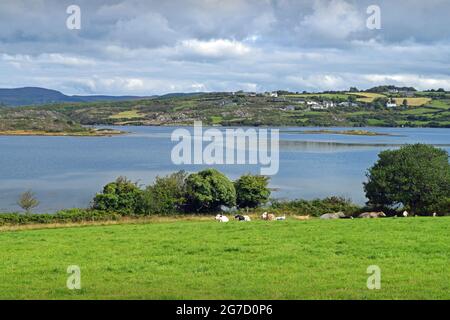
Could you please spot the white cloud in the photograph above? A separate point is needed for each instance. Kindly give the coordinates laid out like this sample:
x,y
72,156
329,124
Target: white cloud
x,y
48,58
151,47
215,48
336,19
418,81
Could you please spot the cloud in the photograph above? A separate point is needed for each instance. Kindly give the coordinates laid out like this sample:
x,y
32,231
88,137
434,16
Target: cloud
x,y
150,47
417,81
335,19
215,48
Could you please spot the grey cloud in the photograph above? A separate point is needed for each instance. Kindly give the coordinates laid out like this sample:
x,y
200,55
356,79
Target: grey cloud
x,y
153,46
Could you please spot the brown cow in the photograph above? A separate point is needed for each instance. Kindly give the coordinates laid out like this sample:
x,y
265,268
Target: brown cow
x,y
268,216
372,215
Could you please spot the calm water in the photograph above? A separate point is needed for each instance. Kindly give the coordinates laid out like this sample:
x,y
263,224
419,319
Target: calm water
x,y
67,171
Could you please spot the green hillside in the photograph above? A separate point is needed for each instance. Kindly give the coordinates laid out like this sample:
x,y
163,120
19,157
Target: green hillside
x,y
355,109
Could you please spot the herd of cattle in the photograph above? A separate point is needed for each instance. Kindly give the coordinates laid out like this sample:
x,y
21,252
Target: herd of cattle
x,y
328,216
264,216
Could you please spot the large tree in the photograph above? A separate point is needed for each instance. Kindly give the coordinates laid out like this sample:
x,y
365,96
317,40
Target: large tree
x,y
209,189
166,195
252,191
414,176
121,196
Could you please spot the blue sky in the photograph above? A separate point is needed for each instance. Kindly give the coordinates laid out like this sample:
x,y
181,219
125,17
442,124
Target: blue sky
x,y
152,47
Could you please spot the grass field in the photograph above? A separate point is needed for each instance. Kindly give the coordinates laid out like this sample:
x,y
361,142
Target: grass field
x,y
131,114
413,102
418,111
367,96
313,259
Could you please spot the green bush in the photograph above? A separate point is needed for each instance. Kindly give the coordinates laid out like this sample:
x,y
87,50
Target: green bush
x,y
251,191
166,195
315,207
121,196
415,176
209,189
64,216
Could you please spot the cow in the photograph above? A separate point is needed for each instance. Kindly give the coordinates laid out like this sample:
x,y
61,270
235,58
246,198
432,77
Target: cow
x,y
302,218
268,216
222,218
242,218
280,218
372,215
331,216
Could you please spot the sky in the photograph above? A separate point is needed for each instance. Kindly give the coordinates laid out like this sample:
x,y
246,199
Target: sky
x,y
146,47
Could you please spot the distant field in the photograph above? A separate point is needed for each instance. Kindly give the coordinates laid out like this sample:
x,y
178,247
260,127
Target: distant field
x,y
320,95
441,104
418,111
367,96
413,102
131,114
216,119
205,260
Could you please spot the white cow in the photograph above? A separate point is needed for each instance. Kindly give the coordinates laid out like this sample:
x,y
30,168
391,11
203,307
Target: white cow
x,y
268,216
222,218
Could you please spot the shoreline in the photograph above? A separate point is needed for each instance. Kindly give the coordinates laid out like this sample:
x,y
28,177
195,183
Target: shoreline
x,y
346,132
39,133
106,132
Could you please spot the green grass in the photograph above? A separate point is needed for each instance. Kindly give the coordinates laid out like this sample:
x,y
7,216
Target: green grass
x,y
367,96
206,260
441,104
375,122
216,119
418,111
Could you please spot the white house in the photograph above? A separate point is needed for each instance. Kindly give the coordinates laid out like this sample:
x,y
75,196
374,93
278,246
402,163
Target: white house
x,y
391,105
328,104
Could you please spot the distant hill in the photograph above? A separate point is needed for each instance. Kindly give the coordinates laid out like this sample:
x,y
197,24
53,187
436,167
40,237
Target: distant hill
x,y
37,96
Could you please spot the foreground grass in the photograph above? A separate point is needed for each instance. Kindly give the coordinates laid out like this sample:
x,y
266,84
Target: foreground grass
x,y
206,260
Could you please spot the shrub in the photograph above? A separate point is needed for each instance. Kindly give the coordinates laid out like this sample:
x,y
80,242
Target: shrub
x,y
251,191
209,189
415,176
64,216
316,207
166,195
121,196
27,201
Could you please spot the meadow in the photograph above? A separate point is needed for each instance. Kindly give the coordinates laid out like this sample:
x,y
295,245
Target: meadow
x,y
202,259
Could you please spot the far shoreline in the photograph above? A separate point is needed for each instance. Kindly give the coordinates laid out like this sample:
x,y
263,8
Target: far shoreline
x,y
41,133
108,131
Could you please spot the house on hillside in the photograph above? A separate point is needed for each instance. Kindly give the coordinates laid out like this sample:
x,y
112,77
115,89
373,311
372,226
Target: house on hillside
x,y
347,104
328,104
391,104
